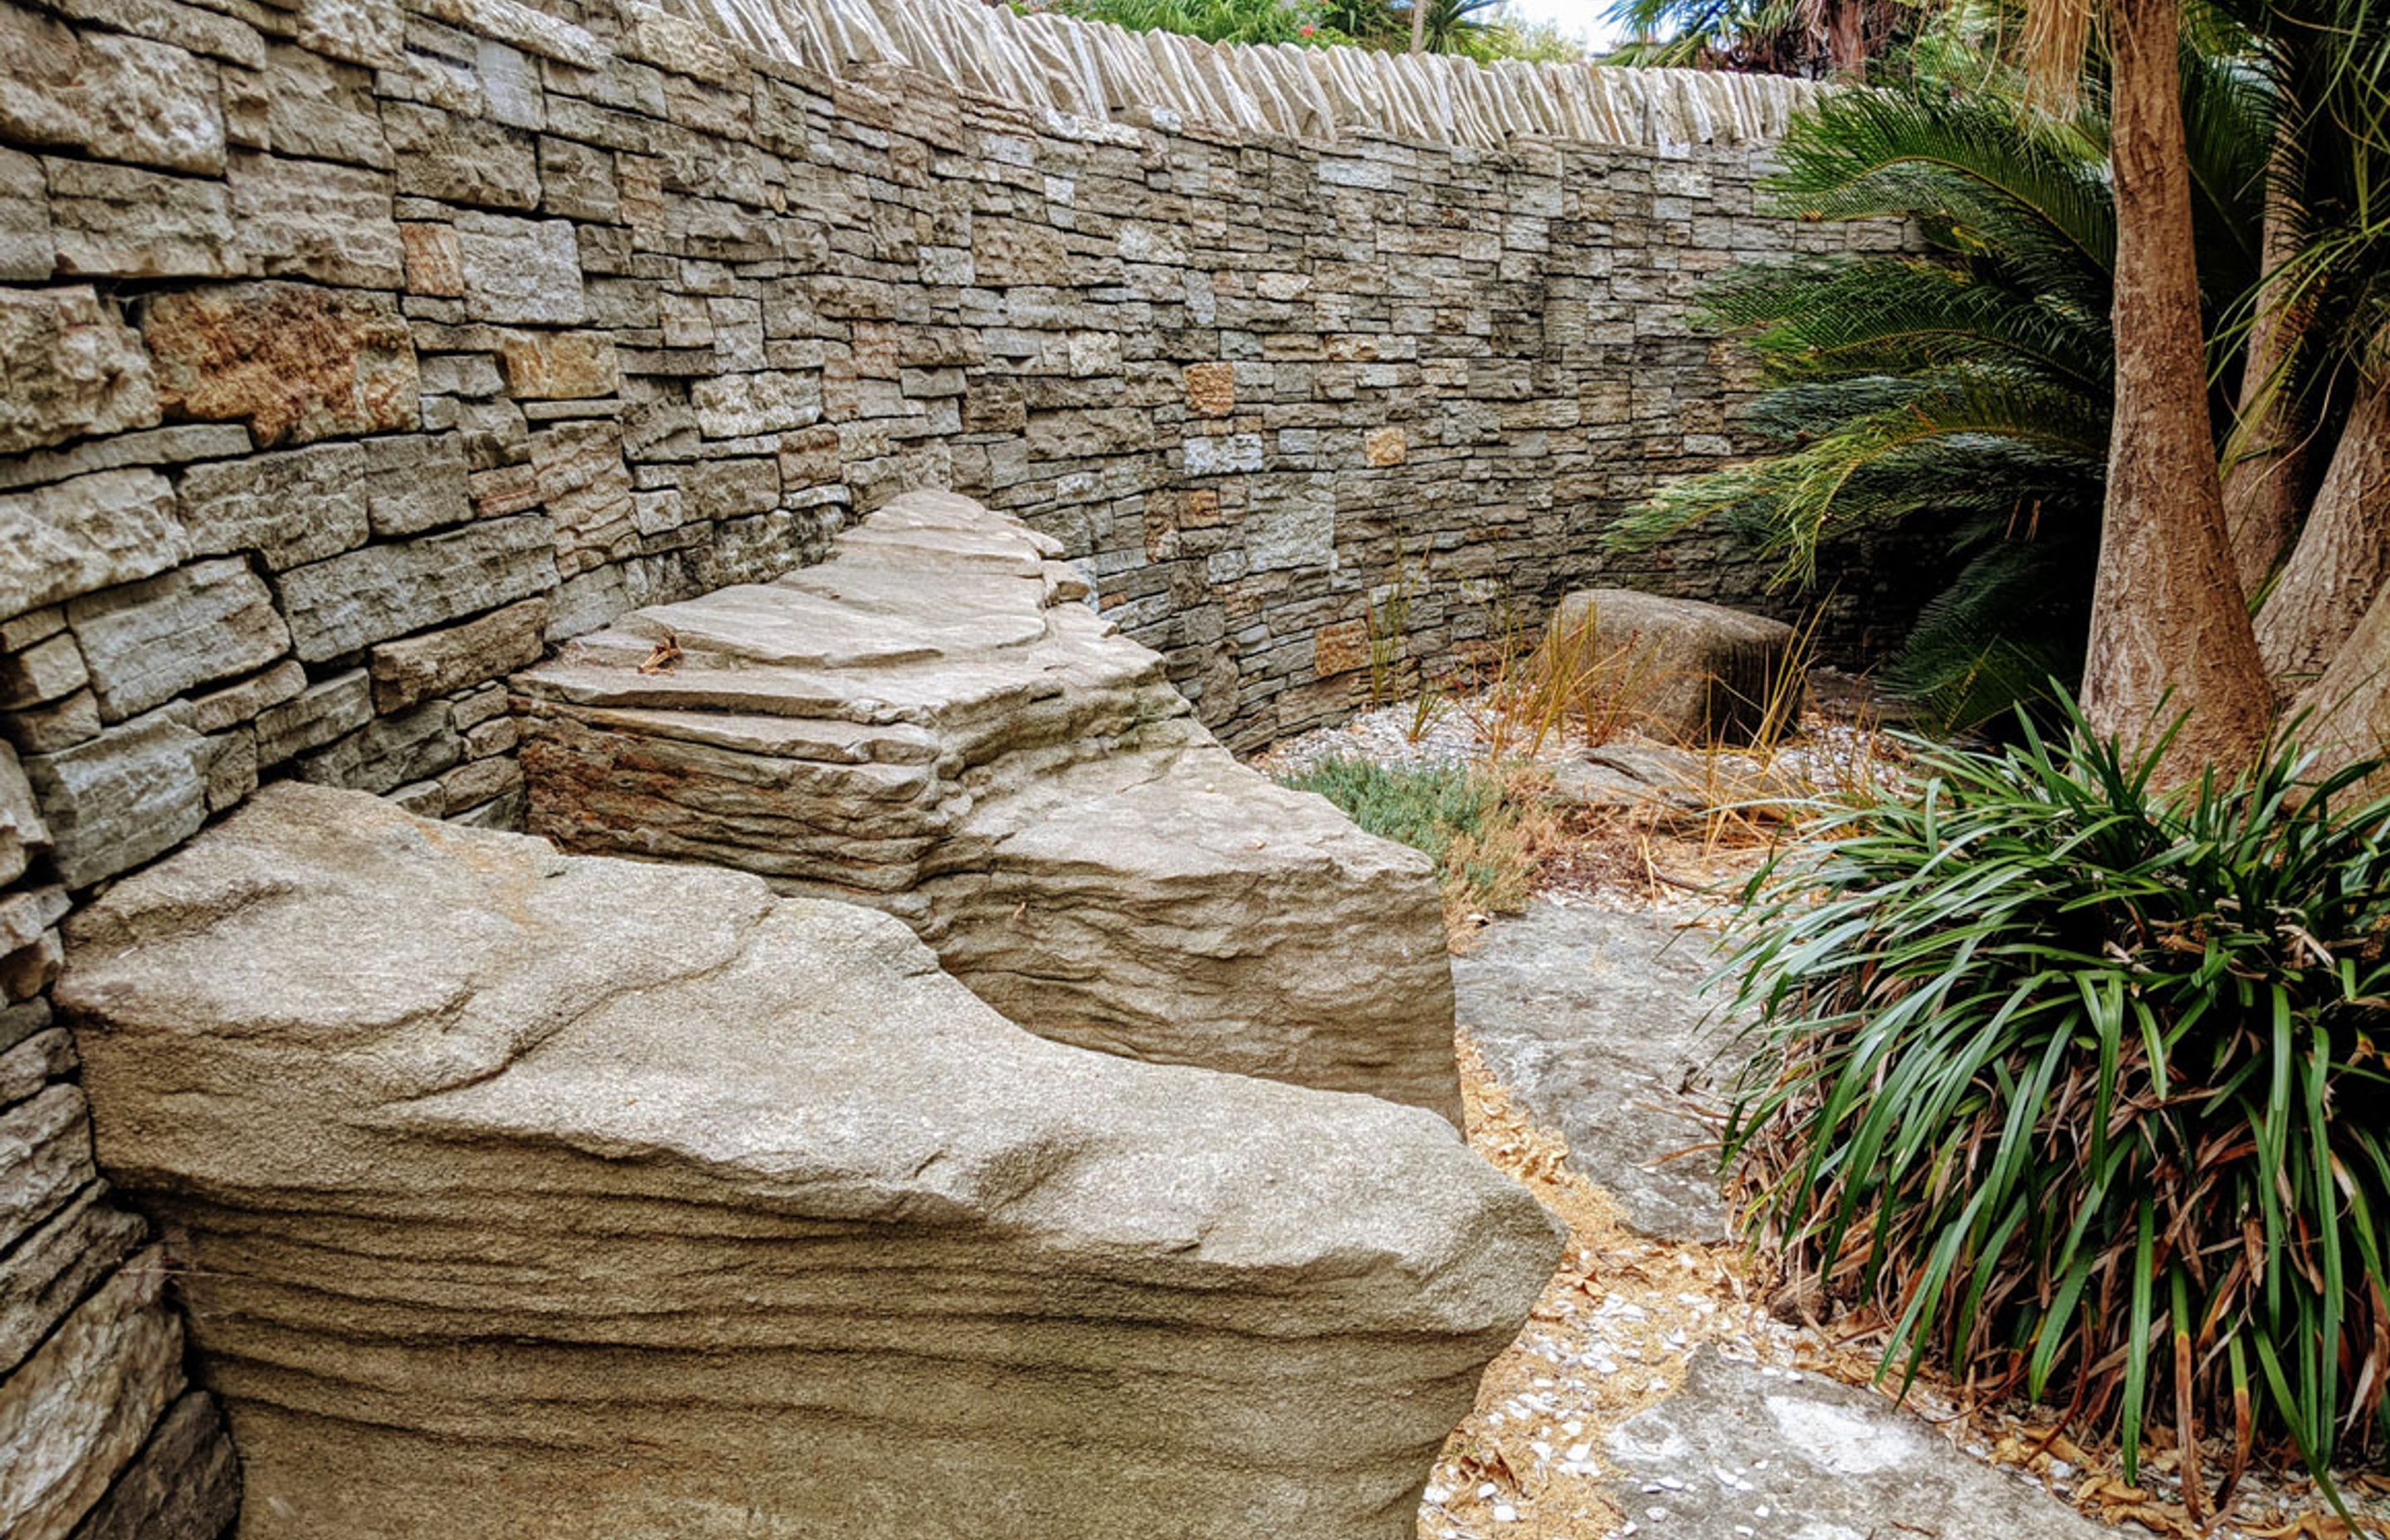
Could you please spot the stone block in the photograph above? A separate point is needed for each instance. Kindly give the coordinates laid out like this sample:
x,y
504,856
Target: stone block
x,y
1684,671
56,1265
58,724
45,1159
70,367
520,270
389,752
558,366
296,361
26,914
28,252
460,160
731,489
1211,388
297,507
135,792
586,489
435,262
243,701
315,220
26,1067
44,670
370,32
27,972
1223,455
22,832
184,1485
438,662
80,1409
107,94
122,223
320,108
352,601
315,716
745,406
1385,446
1290,523
72,537
416,482
148,642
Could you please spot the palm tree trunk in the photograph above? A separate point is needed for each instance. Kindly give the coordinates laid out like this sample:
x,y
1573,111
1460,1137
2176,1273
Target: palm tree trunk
x,y
2267,486
1418,26
2343,556
2347,712
2169,631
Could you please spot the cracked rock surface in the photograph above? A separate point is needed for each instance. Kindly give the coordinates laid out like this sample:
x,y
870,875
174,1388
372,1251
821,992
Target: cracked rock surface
x,y
932,722
533,1196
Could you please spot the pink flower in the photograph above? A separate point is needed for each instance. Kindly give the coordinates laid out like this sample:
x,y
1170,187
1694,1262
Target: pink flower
x,y
1308,29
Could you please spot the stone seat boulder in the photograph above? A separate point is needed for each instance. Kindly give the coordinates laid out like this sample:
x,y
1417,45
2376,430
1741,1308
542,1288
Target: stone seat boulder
x,y
1682,671
519,1196
932,722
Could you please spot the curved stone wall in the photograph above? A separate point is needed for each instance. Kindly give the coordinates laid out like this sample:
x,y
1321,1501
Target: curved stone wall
x,y
354,352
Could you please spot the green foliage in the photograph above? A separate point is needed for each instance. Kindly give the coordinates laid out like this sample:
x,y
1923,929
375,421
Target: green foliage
x,y
1213,20
2083,1086
1968,390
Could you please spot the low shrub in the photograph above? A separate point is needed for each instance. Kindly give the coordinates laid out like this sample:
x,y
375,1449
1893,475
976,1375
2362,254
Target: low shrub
x,y
2081,1086
1488,830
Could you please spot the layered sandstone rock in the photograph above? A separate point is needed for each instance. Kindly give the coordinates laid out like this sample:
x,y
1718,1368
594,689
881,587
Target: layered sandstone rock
x,y
531,1196
932,722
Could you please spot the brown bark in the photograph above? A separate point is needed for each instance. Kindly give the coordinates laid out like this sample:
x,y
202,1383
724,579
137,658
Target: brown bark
x,y
2266,487
1418,26
2169,631
2343,556
2347,712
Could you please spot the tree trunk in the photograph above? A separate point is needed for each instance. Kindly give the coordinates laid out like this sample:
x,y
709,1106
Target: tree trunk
x,y
2343,556
2169,631
1846,51
2266,487
1418,26
2347,712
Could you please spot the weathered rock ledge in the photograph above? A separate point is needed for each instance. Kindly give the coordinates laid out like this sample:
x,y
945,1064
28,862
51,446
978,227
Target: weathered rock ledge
x,y
531,1196
930,723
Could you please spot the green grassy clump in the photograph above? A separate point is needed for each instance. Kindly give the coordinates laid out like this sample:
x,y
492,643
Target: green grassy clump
x,y
1487,830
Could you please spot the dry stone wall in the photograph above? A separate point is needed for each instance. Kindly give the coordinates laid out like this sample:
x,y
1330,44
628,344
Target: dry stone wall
x,y
353,353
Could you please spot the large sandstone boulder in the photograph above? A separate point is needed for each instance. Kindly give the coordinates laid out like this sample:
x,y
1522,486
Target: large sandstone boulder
x,y
1682,671
528,1197
930,722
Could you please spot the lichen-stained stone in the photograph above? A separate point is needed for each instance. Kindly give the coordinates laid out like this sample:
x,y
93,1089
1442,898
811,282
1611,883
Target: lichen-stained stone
x,y
68,366
520,270
930,722
79,1410
296,361
478,1247
369,595
148,642
311,220
136,790
124,222
300,506
184,1485
71,537
110,96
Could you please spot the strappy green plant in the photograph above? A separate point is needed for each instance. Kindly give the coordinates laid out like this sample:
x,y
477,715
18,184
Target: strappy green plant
x,y
2083,1089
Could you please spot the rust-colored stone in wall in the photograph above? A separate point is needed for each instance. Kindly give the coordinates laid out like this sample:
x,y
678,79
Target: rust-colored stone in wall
x,y
296,361
1340,648
1211,388
1386,446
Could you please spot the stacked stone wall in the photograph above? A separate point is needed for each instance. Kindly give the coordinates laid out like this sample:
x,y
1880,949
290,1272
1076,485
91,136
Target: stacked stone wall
x,y
351,355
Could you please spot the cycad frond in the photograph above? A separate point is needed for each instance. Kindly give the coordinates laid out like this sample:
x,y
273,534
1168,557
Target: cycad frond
x,y
1985,177
1873,315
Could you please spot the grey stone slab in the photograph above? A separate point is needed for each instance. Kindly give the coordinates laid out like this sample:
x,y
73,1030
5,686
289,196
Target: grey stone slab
x,y
72,537
1745,1453
135,792
56,1265
184,1485
69,366
297,507
1594,1019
